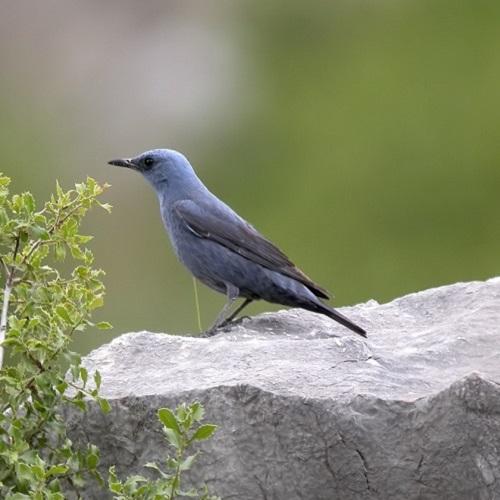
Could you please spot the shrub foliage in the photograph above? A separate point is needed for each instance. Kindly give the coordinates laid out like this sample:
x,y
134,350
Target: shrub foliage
x,y
42,308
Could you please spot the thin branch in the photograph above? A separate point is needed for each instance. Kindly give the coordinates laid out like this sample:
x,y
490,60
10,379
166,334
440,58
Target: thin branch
x,y
9,281
16,249
3,319
5,268
56,225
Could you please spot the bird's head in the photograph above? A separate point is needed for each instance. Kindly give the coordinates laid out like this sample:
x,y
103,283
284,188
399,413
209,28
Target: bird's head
x,y
165,169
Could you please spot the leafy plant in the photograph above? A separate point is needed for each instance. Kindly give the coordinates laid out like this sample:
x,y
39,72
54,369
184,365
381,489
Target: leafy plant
x,y
41,311
182,432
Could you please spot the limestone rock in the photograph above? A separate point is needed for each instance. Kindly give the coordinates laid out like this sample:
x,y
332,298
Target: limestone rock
x,y
308,410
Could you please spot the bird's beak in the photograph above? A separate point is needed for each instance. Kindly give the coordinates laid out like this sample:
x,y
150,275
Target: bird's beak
x,y
125,162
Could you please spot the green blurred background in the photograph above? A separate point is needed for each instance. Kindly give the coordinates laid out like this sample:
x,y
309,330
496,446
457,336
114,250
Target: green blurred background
x,y
361,136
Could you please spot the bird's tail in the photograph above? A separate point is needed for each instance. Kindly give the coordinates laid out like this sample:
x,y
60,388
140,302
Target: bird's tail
x,y
339,318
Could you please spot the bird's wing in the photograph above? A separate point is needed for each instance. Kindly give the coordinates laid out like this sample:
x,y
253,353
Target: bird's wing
x,y
240,237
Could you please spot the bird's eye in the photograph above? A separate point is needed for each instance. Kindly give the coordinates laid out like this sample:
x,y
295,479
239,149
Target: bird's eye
x,y
148,161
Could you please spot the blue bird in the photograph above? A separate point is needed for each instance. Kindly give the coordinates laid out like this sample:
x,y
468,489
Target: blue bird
x,y
220,248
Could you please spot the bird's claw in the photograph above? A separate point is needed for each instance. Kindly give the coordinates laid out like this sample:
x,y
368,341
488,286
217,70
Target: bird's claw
x,y
210,333
223,327
237,321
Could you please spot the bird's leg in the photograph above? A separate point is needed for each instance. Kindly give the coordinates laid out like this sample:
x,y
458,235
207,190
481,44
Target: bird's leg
x,y
236,312
232,294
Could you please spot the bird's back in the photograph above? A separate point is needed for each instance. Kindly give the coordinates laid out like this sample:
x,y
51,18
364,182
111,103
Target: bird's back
x,y
207,222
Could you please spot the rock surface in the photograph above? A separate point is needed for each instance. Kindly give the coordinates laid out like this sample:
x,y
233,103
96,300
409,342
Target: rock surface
x,y
307,410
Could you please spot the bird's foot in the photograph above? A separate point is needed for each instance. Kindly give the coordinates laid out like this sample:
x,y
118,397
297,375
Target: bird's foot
x,y
211,332
237,321
223,327
227,325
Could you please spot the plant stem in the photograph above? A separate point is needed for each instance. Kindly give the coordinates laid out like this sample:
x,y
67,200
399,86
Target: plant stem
x,y
176,480
9,281
5,309
197,304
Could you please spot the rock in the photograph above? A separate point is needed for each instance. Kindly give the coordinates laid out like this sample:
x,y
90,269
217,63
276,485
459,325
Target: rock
x,y
308,410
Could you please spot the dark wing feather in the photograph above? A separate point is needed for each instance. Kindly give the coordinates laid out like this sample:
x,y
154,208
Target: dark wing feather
x,y
240,237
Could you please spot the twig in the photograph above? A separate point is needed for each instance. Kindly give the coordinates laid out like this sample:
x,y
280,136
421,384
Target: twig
x,y
197,304
57,223
5,268
5,310
9,281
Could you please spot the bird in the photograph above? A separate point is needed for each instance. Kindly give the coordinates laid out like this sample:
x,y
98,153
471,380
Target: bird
x,y
220,248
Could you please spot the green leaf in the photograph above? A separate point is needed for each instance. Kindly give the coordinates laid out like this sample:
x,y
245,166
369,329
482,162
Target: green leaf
x,y
55,496
40,219
168,419
40,232
76,252
29,202
33,323
17,203
104,404
92,460
106,206
204,432
112,473
191,493
73,358
188,462
62,387
104,325
4,180
12,342
56,470
197,411
82,240
3,215
60,251
152,465
97,379
59,191
79,404
24,472
23,236
172,463
172,437
181,412
97,302
115,487
38,472
91,185
97,475
63,313
19,496
84,374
